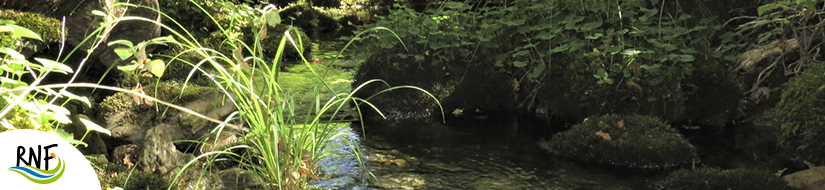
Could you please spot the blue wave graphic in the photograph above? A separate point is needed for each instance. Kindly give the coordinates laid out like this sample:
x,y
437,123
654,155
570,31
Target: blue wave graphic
x,y
31,172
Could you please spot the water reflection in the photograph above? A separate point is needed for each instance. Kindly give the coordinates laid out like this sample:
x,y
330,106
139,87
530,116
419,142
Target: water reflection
x,y
493,153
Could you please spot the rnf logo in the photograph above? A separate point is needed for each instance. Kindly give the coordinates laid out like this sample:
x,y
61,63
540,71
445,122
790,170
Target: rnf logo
x,y
32,169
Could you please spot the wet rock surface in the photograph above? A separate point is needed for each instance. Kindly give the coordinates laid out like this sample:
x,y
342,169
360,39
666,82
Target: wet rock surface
x,y
811,179
706,178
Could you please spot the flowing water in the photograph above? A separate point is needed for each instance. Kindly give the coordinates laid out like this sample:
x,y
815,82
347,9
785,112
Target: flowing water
x,y
481,153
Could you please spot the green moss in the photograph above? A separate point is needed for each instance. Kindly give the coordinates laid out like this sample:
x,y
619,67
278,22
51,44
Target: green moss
x,y
130,113
714,179
139,180
47,28
801,113
302,86
176,93
633,141
179,68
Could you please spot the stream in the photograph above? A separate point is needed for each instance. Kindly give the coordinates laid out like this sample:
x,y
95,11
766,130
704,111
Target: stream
x,y
471,153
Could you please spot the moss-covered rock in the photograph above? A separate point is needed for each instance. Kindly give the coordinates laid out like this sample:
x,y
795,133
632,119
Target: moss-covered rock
x,y
129,119
715,179
633,141
180,64
801,113
139,180
47,28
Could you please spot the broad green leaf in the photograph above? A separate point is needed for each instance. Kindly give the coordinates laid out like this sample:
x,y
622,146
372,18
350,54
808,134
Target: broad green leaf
x,y
519,64
68,137
419,58
72,96
684,17
688,50
28,106
272,18
594,36
128,68
92,126
56,66
591,25
651,68
613,49
13,54
62,118
19,31
684,58
762,9
6,28
57,109
537,71
127,43
521,53
156,67
631,52
162,40
561,48
6,22
414,30
123,53
656,80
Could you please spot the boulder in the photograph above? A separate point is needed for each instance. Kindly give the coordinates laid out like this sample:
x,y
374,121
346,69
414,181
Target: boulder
x,y
80,21
125,155
129,119
715,179
238,179
632,141
157,153
811,179
47,28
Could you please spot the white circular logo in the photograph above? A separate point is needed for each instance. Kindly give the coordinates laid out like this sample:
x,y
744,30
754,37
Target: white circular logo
x,y
31,159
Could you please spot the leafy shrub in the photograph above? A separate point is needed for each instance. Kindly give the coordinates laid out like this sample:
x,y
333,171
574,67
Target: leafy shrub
x,y
24,105
800,111
637,42
606,52
633,141
715,179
